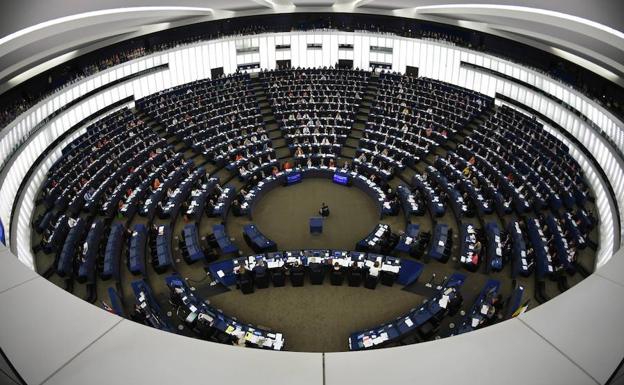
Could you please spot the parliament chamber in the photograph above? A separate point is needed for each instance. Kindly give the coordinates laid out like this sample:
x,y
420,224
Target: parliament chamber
x,y
378,197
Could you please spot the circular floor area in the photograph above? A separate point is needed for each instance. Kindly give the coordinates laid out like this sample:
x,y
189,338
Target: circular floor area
x,y
283,215
318,318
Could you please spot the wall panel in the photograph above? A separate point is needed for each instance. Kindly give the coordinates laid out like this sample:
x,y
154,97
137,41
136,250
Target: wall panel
x,y
434,59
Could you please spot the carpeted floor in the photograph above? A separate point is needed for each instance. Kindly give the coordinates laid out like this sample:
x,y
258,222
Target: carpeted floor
x,y
318,318
283,216
314,318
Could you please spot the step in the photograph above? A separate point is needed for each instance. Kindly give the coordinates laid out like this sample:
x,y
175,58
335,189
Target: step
x,y
222,174
450,146
407,175
200,160
231,179
348,152
429,158
457,138
356,134
353,142
282,153
276,134
278,142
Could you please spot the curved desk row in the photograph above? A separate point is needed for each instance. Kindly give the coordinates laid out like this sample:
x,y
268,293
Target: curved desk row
x,y
481,309
405,271
441,243
181,194
65,266
112,254
148,308
401,327
222,205
201,317
256,240
88,260
223,240
437,207
339,176
199,197
162,255
377,240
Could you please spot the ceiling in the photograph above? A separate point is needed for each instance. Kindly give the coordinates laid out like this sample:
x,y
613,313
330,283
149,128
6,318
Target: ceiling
x,y
34,34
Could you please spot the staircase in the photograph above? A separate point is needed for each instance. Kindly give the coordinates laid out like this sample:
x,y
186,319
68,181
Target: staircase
x,y
278,141
178,145
361,117
474,124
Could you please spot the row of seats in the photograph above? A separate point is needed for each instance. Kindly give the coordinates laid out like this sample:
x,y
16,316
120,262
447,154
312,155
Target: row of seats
x,y
315,108
410,117
275,267
219,118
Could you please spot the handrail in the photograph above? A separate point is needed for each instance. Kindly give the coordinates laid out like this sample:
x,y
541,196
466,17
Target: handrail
x,y
51,148
9,159
567,106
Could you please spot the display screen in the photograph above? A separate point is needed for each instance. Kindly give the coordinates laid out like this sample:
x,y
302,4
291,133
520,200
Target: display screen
x,y
341,179
293,178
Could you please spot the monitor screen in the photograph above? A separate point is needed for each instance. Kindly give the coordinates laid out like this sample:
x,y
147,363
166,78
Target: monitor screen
x,y
293,178
341,179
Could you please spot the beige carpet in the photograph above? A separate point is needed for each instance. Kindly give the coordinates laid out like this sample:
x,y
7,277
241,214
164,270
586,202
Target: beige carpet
x,y
318,318
283,216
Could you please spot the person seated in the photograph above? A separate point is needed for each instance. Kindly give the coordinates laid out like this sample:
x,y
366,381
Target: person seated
x,y
261,275
236,209
137,315
354,275
337,276
175,296
373,276
324,211
297,273
278,276
243,280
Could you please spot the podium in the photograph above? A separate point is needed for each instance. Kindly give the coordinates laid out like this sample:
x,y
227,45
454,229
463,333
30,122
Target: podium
x,y
316,225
